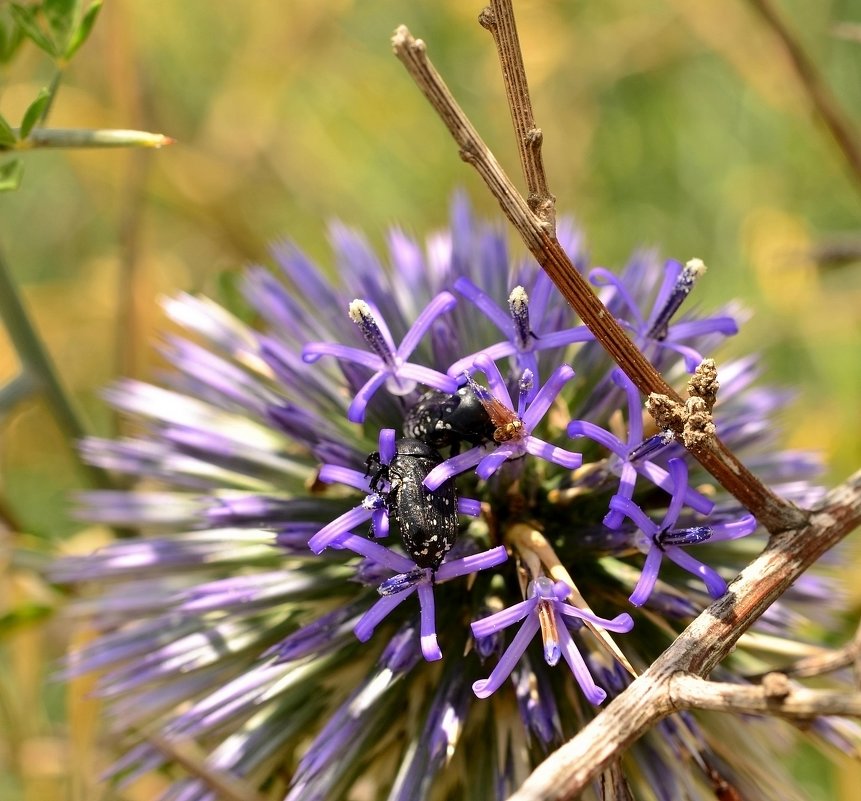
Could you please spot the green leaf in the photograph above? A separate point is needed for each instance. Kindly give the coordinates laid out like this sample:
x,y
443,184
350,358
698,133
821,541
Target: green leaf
x,y
25,16
25,615
82,32
10,175
61,19
7,135
34,112
11,37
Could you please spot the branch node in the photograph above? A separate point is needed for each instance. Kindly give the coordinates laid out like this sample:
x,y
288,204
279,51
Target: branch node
x,y
468,155
690,422
667,412
704,383
776,686
487,19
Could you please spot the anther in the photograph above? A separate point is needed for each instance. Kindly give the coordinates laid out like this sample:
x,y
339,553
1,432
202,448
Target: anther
x,y
518,303
652,446
684,284
361,314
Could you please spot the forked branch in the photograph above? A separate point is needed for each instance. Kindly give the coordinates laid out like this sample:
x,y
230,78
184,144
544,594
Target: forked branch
x,y
771,511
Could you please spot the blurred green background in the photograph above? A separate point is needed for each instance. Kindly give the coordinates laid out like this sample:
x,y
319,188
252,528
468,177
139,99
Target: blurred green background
x,y
675,124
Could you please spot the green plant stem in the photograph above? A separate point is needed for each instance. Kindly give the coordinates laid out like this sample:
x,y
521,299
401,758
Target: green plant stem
x,y
52,93
37,364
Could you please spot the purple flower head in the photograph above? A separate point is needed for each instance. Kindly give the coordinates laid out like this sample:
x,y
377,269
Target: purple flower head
x,y
410,578
633,457
658,541
219,623
522,340
388,362
513,435
544,609
657,332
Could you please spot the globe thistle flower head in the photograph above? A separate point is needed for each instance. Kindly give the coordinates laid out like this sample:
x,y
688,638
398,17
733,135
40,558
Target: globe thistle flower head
x,y
318,600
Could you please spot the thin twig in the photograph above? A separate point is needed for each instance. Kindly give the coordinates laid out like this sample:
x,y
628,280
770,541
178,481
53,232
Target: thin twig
x,y
771,511
498,18
786,700
821,664
833,254
697,650
824,103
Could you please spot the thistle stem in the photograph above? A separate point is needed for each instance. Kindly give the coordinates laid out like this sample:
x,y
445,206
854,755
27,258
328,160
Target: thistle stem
x,y
498,18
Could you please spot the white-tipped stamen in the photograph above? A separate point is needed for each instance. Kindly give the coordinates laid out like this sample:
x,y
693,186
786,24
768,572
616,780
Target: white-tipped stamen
x,y
518,303
361,314
691,272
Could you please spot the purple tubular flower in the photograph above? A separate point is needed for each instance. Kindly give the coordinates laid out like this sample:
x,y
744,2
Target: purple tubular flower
x,y
437,740
388,362
522,340
410,578
656,332
632,455
544,609
664,539
527,417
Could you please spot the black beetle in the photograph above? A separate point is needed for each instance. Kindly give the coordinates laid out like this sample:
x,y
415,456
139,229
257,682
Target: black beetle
x,y
445,420
427,519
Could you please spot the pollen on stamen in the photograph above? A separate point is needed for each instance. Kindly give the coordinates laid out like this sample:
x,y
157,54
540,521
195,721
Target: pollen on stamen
x,y
359,311
518,303
361,314
693,270
693,535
